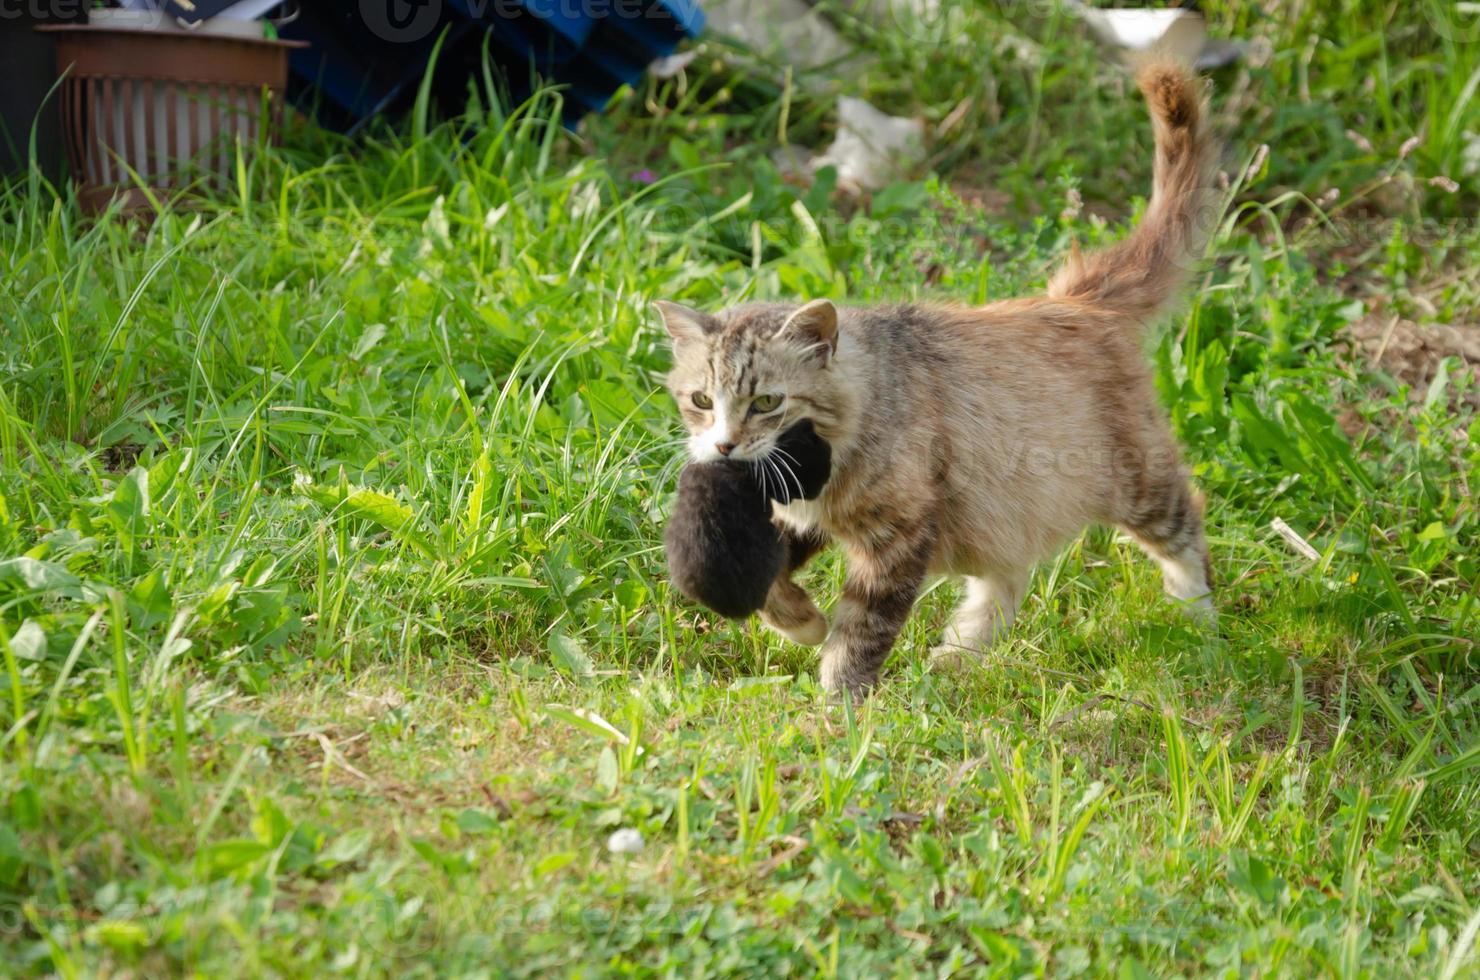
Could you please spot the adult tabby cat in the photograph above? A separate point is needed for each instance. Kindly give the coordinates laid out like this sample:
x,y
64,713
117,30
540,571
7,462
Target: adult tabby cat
x,y
971,442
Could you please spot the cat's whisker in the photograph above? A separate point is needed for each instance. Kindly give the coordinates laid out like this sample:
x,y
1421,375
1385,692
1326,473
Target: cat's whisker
x,y
780,477
764,480
666,476
792,465
776,461
665,446
785,454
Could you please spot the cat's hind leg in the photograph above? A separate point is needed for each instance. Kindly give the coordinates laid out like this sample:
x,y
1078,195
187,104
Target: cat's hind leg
x,y
1168,524
985,615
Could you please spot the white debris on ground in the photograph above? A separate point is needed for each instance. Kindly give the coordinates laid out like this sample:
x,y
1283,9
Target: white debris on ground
x,y
672,64
1469,158
628,840
790,31
872,148
1180,33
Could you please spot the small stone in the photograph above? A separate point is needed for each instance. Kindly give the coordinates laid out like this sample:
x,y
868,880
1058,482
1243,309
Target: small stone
x,y
625,841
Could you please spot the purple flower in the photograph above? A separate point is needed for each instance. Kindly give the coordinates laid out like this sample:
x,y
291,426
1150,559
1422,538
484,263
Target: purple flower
x,y
644,176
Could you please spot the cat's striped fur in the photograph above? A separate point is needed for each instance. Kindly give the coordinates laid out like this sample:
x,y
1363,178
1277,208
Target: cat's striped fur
x,y
968,441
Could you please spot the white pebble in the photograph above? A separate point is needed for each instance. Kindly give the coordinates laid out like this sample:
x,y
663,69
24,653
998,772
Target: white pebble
x,y
625,841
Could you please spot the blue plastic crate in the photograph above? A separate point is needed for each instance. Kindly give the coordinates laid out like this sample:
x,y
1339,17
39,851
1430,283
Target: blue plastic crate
x,y
369,57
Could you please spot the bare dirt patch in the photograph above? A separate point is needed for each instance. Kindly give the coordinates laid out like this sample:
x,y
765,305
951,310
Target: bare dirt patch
x,y
1410,352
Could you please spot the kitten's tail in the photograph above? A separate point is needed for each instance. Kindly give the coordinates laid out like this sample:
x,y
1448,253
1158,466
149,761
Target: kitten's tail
x,y
1139,275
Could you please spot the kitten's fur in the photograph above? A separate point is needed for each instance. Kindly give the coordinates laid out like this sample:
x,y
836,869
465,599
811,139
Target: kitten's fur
x,y
723,548
970,441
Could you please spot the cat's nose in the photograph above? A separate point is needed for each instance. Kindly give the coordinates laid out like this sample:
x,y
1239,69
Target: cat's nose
x,y
724,448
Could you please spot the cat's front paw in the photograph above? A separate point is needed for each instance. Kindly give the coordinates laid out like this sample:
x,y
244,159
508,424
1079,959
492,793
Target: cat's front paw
x,y
809,633
792,613
841,679
1200,610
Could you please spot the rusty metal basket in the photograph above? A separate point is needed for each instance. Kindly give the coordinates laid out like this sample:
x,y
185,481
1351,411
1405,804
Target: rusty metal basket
x,y
161,109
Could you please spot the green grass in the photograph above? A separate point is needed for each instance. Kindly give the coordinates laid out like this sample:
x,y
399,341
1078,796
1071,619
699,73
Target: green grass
x,y
336,635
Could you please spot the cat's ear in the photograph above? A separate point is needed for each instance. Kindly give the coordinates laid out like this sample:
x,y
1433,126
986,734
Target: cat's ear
x,y
684,323
815,325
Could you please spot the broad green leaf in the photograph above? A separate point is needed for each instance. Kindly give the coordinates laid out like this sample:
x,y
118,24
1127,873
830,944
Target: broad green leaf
x,y
120,935
586,721
373,335
29,642
35,575
378,508
347,847
551,863
476,820
569,655
1433,532
606,770
128,507
230,857
1438,393
754,685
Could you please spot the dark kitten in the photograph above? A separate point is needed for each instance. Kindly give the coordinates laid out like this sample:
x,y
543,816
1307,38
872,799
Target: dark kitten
x,y
808,459
723,549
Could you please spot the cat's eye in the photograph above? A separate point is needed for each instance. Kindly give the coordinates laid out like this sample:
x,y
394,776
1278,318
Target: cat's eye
x,y
765,403
702,400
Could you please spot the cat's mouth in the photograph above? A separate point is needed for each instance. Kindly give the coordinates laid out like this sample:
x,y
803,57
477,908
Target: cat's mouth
x,y
791,464
765,448
751,454
703,451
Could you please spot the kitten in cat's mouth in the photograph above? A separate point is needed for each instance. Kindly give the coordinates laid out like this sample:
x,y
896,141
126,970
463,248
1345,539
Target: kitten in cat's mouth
x,y
967,441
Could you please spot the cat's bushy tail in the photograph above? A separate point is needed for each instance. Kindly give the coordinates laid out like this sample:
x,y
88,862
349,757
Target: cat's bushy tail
x,y
1139,275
